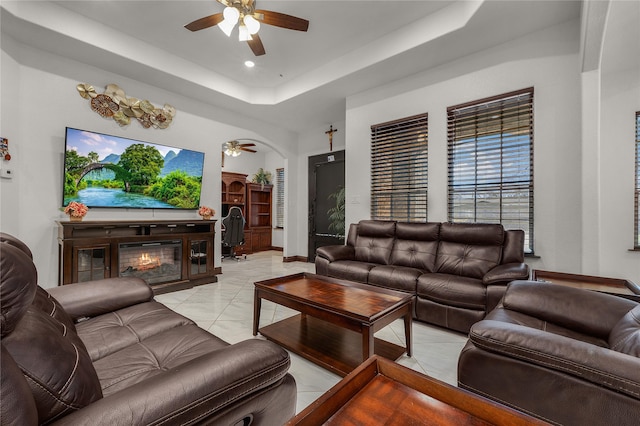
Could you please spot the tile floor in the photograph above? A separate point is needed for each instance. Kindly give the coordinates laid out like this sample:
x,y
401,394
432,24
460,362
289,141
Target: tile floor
x,y
225,309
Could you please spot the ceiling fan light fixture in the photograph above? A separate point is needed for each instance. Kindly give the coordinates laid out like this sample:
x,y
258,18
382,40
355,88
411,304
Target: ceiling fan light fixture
x,y
252,24
231,16
243,33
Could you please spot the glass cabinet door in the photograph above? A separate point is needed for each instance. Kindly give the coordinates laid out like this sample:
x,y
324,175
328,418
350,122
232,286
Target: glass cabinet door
x,y
91,263
198,257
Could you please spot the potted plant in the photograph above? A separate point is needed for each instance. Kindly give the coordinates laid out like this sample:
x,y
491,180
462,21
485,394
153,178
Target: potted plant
x,y
206,212
262,177
336,214
76,211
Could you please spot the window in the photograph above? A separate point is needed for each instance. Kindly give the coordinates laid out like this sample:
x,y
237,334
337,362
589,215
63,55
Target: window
x,y
636,240
490,159
399,170
279,198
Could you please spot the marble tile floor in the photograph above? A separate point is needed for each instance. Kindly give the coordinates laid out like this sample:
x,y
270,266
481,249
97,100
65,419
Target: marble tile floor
x,y
225,309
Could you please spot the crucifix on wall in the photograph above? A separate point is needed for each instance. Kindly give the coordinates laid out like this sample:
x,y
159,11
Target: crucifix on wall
x,y
330,132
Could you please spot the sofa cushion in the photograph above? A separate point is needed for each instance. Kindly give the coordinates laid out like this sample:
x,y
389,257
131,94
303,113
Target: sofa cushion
x,y
17,286
54,360
374,241
395,277
520,318
452,290
416,245
108,333
154,356
350,270
469,249
46,303
483,234
18,407
56,364
625,335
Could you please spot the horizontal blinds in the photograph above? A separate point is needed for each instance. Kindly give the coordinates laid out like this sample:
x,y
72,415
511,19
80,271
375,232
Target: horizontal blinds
x,y
280,198
637,192
399,170
490,162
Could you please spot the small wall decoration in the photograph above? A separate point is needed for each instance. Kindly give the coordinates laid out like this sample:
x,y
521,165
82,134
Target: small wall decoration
x,y
114,103
4,149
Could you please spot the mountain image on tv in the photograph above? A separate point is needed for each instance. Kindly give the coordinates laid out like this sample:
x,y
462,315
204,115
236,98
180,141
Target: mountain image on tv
x,y
109,171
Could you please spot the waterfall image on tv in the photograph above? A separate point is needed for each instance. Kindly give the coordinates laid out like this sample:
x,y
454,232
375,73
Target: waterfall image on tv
x,y
102,170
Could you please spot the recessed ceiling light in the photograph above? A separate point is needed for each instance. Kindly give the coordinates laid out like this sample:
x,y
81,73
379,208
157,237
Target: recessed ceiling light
x,y
249,64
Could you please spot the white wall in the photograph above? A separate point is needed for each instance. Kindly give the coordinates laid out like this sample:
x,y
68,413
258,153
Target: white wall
x,y
610,209
37,105
547,61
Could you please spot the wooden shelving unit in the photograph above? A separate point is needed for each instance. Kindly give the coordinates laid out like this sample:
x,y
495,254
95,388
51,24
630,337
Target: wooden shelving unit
x,y
233,191
254,200
259,215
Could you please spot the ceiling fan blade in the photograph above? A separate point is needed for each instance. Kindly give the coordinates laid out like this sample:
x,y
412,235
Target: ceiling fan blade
x,y
256,45
248,149
206,22
247,144
282,20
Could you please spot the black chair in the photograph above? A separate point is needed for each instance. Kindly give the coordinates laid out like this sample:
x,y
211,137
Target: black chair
x,y
233,231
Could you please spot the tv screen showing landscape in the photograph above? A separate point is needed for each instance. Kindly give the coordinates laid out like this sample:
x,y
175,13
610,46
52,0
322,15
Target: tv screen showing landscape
x,y
103,170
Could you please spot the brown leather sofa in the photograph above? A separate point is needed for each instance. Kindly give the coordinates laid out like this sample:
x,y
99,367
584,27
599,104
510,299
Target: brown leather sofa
x,y
565,355
457,272
106,353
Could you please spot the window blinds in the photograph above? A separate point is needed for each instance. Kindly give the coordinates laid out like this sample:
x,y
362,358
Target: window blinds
x,y
279,198
399,170
490,162
637,191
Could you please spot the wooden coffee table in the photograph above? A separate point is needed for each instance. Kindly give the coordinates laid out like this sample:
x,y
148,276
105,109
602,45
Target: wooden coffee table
x,y
381,392
337,320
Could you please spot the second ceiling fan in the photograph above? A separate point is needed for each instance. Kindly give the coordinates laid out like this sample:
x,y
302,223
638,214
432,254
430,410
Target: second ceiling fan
x,y
248,18
235,148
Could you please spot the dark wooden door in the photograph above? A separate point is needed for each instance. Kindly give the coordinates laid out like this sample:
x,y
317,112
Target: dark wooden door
x,y
326,179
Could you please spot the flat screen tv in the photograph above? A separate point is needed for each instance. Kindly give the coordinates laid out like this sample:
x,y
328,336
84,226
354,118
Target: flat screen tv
x,y
103,170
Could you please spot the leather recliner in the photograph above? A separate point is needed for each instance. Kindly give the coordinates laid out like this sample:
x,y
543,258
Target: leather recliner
x,y
566,355
105,353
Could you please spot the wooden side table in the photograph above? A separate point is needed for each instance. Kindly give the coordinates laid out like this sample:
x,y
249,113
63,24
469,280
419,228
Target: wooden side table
x,y
616,286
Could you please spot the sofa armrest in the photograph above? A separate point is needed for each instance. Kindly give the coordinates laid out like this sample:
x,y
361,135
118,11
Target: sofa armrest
x,y
506,273
195,390
602,366
333,253
568,307
92,298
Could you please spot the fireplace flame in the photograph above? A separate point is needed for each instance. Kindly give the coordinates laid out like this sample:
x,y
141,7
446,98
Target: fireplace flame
x,y
148,262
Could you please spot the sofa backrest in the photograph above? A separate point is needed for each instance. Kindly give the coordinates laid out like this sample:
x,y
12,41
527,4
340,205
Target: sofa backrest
x,y
40,340
513,250
416,245
625,335
375,241
469,249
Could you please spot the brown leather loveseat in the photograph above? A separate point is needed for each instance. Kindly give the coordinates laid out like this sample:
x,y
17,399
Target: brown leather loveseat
x,y
568,356
457,272
106,353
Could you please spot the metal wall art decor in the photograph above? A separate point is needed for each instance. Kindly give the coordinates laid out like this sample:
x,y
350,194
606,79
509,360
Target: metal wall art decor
x,y
114,103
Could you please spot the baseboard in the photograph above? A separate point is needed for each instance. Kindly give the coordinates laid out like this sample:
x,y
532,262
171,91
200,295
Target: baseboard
x,y
217,270
295,259
277,248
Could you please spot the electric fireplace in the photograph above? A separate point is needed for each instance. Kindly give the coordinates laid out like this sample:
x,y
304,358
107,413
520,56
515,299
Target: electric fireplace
x,y
155,262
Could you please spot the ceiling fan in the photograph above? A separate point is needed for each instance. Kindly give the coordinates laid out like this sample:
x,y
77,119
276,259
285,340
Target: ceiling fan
x,y
235,148
248,18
